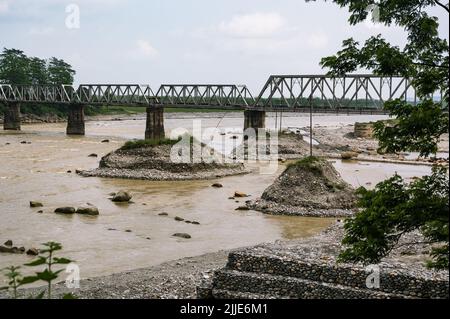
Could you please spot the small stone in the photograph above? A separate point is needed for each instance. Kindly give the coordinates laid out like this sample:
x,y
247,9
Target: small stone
x,y
9,243
240,194
65,210
128,230
242,208
105,141
179,219
23,142
182,235
163,214
69,171
35,204
148,238
217,185
40,211
188,222
195,223
93,155
33,252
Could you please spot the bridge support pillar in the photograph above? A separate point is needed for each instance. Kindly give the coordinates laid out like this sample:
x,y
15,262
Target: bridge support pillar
x,y
11,120
75,123
154,129
254,119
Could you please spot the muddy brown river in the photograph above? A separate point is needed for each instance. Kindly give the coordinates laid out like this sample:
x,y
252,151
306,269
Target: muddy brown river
x,y
101,245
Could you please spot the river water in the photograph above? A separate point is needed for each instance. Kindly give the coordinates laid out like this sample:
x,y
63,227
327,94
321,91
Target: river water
x,y
102,245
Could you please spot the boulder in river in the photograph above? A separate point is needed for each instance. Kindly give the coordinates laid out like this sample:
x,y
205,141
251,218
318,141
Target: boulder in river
x,y
182,235
91,210
8,243
35,204
9,250
179,219
65,210
33,252
348,155
217,185
121,197
240,194
93,155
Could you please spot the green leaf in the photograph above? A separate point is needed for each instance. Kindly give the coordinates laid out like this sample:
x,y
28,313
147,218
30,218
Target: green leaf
x,y
28,280
37,262
61,261
46,275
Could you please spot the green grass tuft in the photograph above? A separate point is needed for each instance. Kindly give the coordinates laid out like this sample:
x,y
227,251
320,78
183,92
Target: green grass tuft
x,y
130,145
311,163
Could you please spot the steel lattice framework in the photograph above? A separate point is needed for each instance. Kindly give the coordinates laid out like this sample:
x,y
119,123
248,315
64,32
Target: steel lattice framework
x,y
350,91
93,94
204,95
279,92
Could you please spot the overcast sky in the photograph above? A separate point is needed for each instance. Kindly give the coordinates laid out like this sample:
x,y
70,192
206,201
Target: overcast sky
x,y
185,41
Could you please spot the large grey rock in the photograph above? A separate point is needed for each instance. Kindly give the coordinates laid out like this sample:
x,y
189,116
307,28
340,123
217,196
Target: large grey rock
x,y
121,196
91,210
65,210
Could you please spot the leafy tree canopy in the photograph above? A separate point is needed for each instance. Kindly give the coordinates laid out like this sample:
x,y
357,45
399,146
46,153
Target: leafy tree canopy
x,y
18,68
394,208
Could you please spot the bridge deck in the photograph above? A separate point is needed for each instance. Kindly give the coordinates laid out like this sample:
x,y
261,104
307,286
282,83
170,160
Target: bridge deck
x,y
350,93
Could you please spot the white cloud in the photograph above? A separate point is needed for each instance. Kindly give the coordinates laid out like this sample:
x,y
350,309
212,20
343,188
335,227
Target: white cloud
x,y
4,6
255,25
146,49
41,31
317,41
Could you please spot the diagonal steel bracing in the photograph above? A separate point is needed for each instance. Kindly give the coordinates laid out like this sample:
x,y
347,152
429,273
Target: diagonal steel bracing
x,y
324,92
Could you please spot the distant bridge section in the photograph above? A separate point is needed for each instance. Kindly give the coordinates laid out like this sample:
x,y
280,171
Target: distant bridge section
x,y
88,94
204,95
334,93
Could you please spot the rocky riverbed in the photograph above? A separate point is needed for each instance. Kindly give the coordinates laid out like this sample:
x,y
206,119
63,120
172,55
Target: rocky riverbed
x,y
309,187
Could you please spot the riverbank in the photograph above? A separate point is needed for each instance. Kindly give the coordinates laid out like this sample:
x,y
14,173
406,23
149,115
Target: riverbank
x,y
175,279
180,278
308,269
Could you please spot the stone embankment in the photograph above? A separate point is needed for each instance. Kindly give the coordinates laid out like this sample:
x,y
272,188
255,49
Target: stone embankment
x,y
308,269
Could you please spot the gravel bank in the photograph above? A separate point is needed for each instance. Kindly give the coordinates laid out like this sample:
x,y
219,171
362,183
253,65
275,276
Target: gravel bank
x,y
309,187
155,163
171,280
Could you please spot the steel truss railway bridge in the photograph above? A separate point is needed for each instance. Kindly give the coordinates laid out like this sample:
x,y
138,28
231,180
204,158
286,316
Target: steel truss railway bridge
x,y
362,94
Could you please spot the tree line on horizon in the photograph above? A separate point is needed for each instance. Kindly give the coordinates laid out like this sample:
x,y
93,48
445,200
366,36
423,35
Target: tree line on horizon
x,y
18,68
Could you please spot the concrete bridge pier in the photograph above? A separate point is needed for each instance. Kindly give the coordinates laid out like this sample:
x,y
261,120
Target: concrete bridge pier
x,y
254,119
154,128
11,120
75,123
